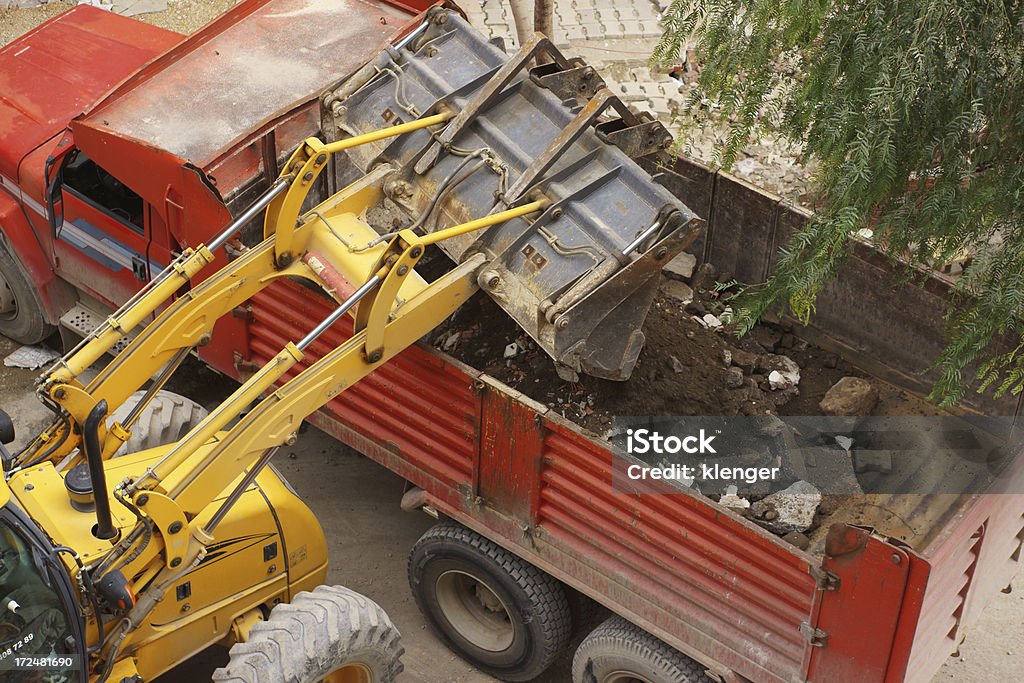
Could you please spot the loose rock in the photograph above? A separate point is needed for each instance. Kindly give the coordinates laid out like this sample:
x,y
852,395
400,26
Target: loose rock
x,y
850,396
783,372
677,290
791,509
681,267
734,378
711,322
705,277
744,360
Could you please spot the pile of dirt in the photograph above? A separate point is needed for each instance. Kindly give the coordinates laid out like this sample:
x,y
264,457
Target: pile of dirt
x,y
686,368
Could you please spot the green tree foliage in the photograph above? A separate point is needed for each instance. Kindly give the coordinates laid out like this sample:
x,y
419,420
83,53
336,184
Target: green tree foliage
x,y
914,111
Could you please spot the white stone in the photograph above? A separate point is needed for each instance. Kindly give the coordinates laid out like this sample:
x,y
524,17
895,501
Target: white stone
x,y
711,322
795,507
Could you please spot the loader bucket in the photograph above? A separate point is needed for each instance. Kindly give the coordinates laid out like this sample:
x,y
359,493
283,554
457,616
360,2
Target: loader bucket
x,y
580,278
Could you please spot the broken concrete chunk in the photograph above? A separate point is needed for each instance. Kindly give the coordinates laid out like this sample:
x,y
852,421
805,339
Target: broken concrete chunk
x,y
681,267
850,396
511,350
711,322
677,290
791,509
677,366
783,372
733,501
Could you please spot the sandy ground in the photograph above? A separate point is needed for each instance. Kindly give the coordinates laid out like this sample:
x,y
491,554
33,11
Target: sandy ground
x,y
183,16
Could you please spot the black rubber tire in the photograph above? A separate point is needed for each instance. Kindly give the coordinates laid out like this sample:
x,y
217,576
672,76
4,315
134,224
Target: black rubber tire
x,y
533,603
619,647
315,634
167,418
27,324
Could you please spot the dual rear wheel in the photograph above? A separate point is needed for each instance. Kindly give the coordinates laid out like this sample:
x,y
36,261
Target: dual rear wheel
x,y
511,620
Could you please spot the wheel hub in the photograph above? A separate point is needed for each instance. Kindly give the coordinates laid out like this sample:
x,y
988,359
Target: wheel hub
x,y
8,304
352,673
475,610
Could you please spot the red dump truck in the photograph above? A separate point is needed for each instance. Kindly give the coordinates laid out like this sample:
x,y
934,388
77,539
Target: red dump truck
x,y
121,143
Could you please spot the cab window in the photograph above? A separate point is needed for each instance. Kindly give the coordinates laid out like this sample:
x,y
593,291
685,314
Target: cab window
x,y
32,621
92,184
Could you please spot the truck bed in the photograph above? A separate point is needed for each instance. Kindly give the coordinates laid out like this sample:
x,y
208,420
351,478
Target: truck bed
x,y
861,606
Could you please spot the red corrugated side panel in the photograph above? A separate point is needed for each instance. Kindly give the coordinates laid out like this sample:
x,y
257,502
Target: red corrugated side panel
x,y
712,583
976,554
705,581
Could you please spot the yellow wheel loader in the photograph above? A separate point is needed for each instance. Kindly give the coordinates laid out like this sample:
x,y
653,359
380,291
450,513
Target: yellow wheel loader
x,y
117,563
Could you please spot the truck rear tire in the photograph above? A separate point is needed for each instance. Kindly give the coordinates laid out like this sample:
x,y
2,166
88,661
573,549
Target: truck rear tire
x,y
332,635
167,418
21,311
619,652
493,609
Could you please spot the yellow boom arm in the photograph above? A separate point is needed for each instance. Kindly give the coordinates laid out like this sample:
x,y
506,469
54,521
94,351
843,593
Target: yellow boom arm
x,y
329,246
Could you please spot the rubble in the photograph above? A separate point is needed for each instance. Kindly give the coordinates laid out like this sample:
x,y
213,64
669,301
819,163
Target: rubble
x,y
744,360
783,372
849,397
789,510
681,267
704,278
710,321
733,501
677,290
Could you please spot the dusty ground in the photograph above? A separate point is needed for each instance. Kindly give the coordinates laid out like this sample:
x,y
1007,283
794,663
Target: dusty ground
x,y
183,16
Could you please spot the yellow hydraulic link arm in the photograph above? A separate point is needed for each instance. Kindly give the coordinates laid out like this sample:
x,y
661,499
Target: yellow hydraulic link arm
x,y
329,246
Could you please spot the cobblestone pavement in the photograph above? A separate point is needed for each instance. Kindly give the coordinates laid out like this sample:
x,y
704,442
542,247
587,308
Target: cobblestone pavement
x,y
617,37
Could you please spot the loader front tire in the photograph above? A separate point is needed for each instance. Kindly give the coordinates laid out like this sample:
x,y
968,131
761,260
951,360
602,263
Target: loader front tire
x,y
333,635
167,418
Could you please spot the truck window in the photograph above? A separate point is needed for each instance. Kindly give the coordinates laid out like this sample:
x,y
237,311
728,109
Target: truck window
x,y
90,183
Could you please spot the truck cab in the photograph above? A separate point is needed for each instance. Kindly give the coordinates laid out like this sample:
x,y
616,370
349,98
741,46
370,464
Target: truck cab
x,y
122,143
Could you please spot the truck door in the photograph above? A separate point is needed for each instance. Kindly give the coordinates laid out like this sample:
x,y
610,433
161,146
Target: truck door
x,y
102,239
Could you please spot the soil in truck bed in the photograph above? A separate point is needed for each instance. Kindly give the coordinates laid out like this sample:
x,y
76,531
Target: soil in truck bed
x,y
685,368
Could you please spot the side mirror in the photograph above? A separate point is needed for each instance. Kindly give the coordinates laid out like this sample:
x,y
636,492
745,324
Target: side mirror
x,y
6,428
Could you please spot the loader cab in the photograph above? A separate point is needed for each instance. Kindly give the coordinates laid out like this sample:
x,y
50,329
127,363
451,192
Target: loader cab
x,y
41,631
